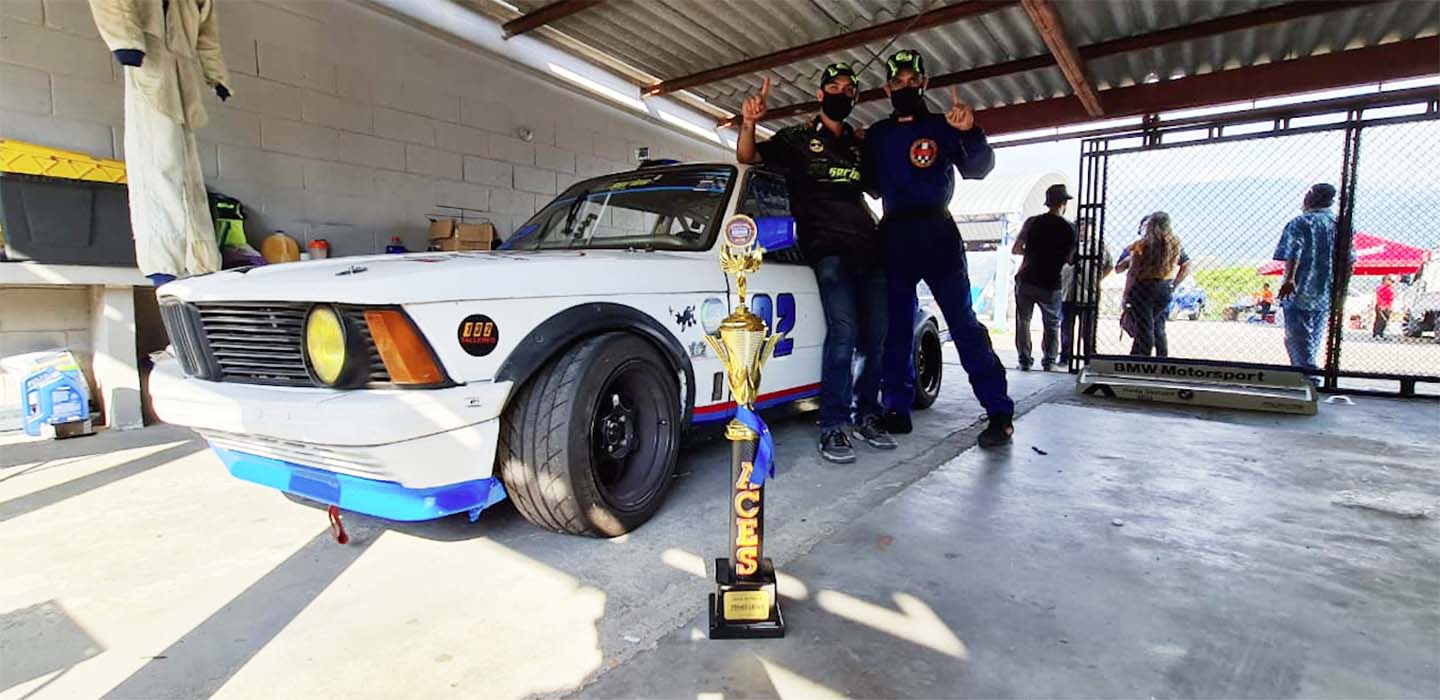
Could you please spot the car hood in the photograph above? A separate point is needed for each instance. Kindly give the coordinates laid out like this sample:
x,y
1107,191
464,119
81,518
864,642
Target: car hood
x,y
433,277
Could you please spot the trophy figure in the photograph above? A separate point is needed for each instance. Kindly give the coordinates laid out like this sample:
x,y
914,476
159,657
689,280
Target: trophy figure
x,y
744,604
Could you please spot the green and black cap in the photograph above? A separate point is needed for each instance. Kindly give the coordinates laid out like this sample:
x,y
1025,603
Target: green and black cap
x,y
904,58
833,72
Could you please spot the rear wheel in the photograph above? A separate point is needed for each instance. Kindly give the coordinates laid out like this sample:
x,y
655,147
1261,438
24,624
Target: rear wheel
x,y
588,445
929,365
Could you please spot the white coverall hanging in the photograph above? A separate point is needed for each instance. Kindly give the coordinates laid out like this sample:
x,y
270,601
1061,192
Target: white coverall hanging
x,y
169,213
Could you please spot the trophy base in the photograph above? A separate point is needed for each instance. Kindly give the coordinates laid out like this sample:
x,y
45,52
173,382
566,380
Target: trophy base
x,y
748,609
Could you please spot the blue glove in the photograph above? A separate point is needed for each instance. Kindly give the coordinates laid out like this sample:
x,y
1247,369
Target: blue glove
x,y
129,57
222,92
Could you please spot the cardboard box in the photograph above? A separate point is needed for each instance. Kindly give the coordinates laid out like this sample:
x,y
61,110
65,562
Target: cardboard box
x,y
455,244
452,235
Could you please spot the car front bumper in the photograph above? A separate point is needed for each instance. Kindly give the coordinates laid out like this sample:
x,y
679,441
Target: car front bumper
x,y
395,454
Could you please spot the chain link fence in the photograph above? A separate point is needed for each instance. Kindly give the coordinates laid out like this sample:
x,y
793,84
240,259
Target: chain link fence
x,y
1397,247
1229,188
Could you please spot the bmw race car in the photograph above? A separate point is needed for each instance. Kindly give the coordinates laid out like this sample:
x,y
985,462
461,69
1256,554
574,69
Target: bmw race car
x,y
563,371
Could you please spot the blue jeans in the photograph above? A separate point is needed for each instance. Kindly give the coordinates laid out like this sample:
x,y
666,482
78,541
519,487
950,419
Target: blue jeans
x,y
1027,297
852,293
1304,329
928,247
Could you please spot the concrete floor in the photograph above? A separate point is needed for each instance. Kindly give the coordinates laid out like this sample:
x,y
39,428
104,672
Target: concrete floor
x,y
135,568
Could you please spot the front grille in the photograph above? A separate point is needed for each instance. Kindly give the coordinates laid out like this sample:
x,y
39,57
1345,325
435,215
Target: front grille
x,y
254,342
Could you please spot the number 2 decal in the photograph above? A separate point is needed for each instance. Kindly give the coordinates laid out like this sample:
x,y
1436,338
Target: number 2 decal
x,y
784,308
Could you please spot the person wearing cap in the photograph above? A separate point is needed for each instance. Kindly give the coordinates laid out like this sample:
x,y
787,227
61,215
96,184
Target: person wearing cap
x,y
910,162
820,160
1046,241
1307,246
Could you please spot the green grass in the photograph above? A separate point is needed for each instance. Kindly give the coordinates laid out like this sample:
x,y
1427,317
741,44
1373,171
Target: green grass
x,y
1223,285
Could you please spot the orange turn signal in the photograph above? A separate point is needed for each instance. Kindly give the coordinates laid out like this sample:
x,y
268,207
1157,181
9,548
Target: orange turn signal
x,y
407,358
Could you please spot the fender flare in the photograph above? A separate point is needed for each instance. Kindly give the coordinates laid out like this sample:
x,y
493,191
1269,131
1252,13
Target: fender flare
x,y
564,329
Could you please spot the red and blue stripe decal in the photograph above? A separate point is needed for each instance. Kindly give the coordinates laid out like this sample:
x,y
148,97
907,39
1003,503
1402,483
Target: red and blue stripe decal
x,y
724,411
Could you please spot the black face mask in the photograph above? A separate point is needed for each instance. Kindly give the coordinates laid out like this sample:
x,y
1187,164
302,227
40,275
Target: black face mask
x,y
908,101
836,106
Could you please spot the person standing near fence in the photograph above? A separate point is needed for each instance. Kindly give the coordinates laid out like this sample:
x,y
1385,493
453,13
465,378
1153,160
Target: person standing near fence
x,y
1149,286
1384,301
1070,308
1307,246
1046,241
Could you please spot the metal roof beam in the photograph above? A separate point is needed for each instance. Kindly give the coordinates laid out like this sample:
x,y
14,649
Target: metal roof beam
x,y
1394,61
555,11
927,19
1219,25
1369,100
1047,23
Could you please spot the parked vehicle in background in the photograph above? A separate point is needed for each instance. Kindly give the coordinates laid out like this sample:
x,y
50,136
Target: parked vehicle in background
x,y
1421,300
1188,301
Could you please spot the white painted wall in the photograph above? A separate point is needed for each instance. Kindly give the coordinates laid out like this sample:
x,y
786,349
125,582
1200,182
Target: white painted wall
x,y
346,124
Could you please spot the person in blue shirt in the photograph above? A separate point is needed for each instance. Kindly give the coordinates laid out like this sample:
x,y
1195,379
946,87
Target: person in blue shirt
x,y
1308,249
910,159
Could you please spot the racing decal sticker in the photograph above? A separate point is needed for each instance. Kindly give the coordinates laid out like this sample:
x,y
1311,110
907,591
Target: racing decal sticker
x,y
684,318
923,153
817,146
478,335
740,231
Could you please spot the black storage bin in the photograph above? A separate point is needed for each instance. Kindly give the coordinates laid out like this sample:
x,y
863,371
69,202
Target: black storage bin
x,y
59,221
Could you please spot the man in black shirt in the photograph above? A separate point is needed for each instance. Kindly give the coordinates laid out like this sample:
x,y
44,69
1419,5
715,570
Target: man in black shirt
x,y
820,160
1047,242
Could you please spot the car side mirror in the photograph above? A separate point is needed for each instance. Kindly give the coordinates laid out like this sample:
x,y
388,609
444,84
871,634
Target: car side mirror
x,y
775,232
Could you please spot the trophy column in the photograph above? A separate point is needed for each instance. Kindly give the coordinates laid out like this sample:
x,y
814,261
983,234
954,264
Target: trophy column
x,y
745,603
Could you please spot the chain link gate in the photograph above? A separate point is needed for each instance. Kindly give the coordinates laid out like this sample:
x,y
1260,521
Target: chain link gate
x,y
1230,184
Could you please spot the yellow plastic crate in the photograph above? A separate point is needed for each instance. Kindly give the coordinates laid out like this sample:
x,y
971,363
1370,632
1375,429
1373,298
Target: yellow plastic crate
x,y
31,159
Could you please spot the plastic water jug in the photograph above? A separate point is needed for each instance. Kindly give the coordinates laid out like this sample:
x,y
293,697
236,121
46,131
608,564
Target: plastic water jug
x,y
52,393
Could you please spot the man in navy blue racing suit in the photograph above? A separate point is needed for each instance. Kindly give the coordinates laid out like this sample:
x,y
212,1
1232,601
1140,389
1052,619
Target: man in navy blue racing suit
x,y
910,159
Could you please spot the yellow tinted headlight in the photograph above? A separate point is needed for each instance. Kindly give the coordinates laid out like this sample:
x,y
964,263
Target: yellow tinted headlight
x,y
325,344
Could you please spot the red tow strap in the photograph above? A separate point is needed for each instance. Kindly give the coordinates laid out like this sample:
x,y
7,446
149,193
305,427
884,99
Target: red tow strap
x,y
337,526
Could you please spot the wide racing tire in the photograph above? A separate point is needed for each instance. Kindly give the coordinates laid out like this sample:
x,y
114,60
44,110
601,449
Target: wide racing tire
x,y
929,365
589,444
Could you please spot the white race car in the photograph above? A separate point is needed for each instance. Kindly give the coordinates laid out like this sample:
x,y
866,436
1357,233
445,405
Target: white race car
x,y
563,370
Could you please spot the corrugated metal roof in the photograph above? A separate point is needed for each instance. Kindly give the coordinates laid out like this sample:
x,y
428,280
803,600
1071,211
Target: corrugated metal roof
x,y
672,38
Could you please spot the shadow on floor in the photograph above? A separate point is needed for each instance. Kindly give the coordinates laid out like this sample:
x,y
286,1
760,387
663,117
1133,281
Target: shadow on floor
x,y
41,639
200,662
31,502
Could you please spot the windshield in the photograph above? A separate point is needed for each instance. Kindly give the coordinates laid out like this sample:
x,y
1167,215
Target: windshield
x,y
671,209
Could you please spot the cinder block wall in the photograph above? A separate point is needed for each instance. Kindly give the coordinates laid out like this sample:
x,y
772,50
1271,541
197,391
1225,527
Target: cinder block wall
x,y
345,125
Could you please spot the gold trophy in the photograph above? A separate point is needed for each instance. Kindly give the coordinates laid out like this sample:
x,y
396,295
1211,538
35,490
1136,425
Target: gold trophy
x,y
744,604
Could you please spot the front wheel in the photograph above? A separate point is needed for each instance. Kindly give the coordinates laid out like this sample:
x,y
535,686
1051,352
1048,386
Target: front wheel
x,y
588,446
929,365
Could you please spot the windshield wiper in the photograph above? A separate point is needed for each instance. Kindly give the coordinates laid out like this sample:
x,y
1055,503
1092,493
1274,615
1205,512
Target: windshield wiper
x,y
569,230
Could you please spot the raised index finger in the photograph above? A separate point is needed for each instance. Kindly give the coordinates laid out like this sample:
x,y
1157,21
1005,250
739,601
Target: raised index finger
x,y
954,96
765,88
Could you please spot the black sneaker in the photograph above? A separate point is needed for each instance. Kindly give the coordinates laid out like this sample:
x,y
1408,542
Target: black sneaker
x,y
1024,366
1047,366
998,432
873,433
897,423
835,447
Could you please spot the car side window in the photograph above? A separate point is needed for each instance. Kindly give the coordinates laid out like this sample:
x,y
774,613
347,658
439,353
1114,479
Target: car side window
x,y
766,195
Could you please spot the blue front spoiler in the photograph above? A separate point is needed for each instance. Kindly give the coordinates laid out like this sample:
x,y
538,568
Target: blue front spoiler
x,y
382,499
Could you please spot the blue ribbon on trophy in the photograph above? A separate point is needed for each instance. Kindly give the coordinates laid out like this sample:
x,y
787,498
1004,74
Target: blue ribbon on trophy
x,y
764,467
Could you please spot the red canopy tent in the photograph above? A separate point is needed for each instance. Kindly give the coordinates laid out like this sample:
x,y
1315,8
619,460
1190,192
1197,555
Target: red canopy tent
x,y
1373,256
